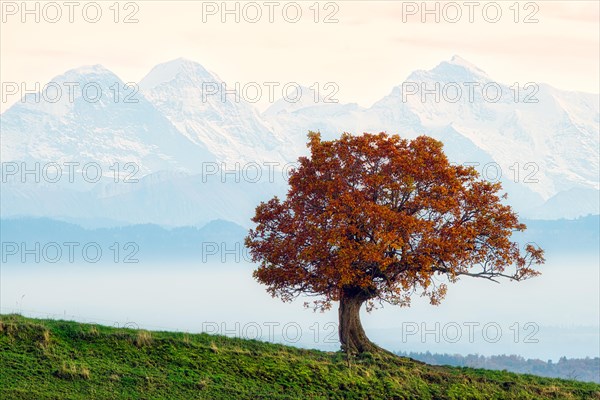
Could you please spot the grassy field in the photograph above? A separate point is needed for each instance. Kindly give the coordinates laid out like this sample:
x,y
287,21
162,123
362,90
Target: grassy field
x,y
47,359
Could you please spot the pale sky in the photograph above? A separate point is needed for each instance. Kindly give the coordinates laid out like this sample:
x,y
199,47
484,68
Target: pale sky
x,y
373,46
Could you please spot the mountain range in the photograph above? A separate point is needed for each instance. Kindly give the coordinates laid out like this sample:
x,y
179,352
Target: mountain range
x,y
199,153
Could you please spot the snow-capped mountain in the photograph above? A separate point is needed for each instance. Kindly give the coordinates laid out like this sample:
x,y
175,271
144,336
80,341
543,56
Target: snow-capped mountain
x,y
97,118
545,152
541,140
211,114
556,132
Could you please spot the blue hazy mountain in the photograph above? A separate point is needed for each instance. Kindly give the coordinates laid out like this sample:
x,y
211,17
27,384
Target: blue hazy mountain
x,y
579,236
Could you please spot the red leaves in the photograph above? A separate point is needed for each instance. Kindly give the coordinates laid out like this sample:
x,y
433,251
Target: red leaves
x,y
384,215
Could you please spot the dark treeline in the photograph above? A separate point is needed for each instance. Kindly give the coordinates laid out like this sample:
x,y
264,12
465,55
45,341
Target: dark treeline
x,y
581,369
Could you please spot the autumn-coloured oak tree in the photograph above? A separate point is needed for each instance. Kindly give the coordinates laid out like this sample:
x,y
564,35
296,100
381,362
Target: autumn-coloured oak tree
x,y
375,218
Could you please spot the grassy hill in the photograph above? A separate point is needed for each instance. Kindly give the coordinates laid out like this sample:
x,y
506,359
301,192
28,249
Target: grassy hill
x,y
47,359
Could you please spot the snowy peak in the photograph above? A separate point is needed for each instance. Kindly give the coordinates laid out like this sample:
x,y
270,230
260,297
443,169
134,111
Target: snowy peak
x,y
458,61
88,114
456,70
89,86
95,70
95,75
178,69
208,112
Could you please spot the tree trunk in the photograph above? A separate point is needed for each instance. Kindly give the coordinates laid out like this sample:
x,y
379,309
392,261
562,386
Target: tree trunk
x,y
352,335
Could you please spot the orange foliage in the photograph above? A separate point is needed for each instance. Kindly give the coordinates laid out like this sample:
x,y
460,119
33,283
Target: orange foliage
x,y
384,216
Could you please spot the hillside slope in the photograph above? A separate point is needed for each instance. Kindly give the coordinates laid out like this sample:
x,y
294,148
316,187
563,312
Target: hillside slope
x,y
45,359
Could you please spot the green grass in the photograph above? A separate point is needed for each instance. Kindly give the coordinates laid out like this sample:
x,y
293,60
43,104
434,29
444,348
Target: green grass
x,y
47,359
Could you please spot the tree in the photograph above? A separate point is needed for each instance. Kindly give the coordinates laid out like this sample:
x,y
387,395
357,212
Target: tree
x,y
376,218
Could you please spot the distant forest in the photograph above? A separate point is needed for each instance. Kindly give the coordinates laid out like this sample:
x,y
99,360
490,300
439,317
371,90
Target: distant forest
x,y
581,369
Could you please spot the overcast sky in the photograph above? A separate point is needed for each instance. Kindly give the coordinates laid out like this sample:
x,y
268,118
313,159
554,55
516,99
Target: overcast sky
x,y
373,46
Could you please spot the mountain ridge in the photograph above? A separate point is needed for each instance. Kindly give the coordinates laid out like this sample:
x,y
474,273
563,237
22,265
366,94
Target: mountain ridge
x,y
182,123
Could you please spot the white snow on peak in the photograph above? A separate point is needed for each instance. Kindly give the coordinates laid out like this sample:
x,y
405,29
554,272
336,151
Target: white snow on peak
x,y
229,126
456,69
166,72
459,61
97,69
